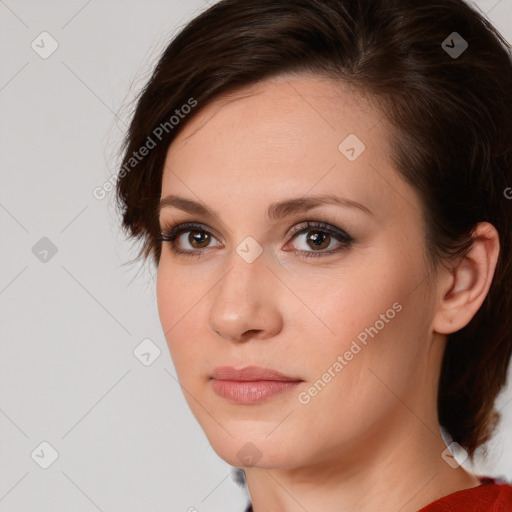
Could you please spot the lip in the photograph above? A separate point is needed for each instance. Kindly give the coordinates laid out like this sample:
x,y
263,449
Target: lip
x,y
251,384
250,373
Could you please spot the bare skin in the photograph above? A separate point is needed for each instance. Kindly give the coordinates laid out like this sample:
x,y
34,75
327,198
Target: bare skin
x,y
369,440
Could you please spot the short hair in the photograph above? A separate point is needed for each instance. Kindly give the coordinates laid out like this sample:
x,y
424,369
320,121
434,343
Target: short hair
x,y
441,75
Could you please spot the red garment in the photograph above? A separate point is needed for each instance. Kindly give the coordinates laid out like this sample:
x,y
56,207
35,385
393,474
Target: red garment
x,y
492,495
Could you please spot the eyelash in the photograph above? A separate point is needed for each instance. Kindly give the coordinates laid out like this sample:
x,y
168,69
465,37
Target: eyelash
x,y
170,235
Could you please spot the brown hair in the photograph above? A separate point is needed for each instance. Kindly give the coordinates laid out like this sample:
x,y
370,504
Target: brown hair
x,y
451,137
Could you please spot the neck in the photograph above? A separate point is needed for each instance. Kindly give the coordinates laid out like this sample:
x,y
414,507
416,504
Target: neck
x,y
399,470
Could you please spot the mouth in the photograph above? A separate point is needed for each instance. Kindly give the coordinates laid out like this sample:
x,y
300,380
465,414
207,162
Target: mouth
x,y
250,373
251,384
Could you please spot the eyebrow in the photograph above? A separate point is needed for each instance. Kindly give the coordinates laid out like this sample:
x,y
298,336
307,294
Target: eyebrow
x,y
275,211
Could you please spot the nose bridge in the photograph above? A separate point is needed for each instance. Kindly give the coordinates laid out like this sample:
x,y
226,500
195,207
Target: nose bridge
x,y
243,300
245,277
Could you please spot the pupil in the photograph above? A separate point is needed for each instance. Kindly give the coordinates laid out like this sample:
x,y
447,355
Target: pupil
x,y
195,238
318,239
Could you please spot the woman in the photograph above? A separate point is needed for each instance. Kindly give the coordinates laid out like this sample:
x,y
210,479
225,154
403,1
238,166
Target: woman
x,y
322,186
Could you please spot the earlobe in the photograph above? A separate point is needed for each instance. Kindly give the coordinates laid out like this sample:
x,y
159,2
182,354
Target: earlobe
x,y
469,281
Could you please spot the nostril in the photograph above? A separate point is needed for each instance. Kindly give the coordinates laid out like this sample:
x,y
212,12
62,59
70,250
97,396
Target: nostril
x,y
250,333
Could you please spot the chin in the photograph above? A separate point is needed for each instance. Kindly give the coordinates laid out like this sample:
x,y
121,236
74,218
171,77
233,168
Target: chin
x,y
256,449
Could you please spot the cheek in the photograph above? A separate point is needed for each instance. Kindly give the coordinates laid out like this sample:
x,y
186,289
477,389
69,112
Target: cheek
x,y
169,291
180,313
343,304
370,380
178,290
376,321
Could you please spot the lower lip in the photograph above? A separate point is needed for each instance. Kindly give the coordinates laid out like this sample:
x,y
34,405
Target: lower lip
x,y
250,392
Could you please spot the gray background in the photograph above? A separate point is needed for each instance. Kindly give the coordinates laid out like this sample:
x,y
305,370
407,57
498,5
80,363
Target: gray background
x,y
124,435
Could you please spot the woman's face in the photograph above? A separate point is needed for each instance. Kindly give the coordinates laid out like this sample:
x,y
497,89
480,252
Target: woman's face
x,y
352,322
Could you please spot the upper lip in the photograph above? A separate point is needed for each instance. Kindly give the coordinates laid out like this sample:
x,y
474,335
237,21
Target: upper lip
x,y
249,373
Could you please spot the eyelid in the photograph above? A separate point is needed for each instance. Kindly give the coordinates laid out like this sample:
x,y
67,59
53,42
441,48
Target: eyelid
x,y
321,226
171,229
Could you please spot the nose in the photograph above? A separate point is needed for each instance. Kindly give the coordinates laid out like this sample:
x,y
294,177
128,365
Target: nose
x,y
244,304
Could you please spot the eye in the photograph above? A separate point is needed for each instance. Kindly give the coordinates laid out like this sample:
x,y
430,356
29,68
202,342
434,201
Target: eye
x,y
319,237
198,238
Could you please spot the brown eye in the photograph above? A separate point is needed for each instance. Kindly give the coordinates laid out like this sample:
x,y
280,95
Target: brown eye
x,y
198,239
318,240
318,237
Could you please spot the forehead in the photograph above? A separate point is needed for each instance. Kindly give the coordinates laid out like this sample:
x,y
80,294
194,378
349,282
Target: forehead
x,y
284,137
277,109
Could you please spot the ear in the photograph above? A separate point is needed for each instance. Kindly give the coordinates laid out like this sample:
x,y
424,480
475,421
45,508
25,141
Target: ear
x,y
463,288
